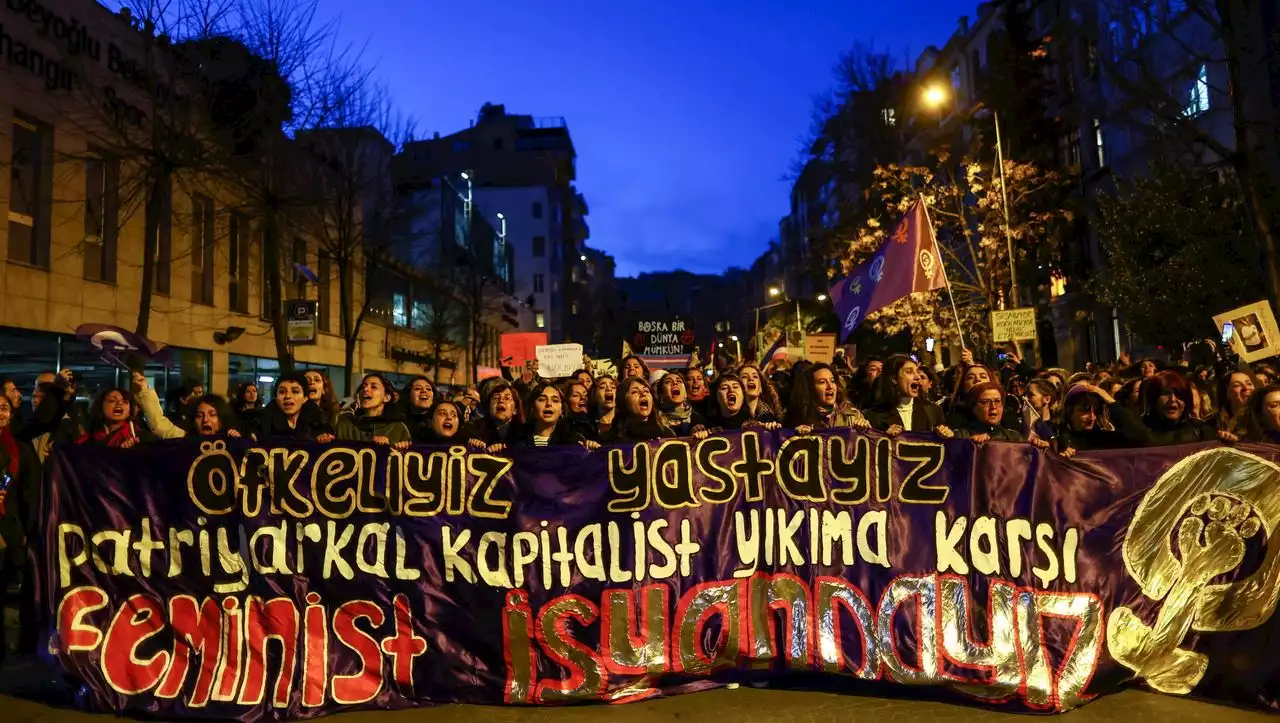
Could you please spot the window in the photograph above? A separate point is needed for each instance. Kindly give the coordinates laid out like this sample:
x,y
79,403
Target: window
x,y
1198,96
202,248
573,307
101,218
162,209
1071,149
955,77
539,283
421,317
537,209
325,273
30,191
238,262
890,116
399,313
539,246
1100,141
540,320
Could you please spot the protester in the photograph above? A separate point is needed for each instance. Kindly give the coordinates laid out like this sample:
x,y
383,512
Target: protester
x,y
319,389
634,366
247,405
762,398
1234,391
1166,414
376,418
732,410
1037,409
20,481
816,403
896,403
213,416
504,415
699,394
637,418
113,421
583,377
446,423
547,425
291,415
603,407
418,400
675,408
986,411
1084,425
577,402
1260,420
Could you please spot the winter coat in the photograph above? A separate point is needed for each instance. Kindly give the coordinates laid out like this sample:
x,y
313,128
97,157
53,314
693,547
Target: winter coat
x,y
363,429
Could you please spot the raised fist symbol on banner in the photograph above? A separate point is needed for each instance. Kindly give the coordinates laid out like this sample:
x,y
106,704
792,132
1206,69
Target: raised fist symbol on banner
x,y
1214,504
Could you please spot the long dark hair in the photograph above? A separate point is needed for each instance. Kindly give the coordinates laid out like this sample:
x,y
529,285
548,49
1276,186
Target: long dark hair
x,y
97,420
884,391
240,400
645,367
803,406
768,392
624,414
593,408
226,416
1252,422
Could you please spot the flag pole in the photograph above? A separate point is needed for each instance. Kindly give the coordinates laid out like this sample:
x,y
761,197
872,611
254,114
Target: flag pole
x,y
943,264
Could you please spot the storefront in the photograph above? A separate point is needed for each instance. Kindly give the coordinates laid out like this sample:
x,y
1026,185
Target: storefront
x,y
264,372
25,354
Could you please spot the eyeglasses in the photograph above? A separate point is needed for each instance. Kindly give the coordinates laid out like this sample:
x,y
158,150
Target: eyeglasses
x,y
990,402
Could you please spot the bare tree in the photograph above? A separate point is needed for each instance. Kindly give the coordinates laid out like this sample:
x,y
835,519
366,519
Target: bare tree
x,y
355,213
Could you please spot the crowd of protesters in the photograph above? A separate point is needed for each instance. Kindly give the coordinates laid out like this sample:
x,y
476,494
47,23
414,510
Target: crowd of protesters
x,y
1125,405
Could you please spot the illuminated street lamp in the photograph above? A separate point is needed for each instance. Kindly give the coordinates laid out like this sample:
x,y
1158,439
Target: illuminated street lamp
x,y
822,297
774,291
502,232
466,205
936,95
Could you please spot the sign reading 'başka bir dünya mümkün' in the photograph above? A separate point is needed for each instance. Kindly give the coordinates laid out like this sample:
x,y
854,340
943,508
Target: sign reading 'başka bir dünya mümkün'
x,y
220,579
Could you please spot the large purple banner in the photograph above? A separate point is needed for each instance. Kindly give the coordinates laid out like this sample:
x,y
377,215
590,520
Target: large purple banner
x,y
218,579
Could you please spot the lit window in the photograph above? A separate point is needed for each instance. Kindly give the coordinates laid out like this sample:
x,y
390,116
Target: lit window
x,y
540,319
1057,285
1099,141
1198,96
955,76
573,308
890,116
399,313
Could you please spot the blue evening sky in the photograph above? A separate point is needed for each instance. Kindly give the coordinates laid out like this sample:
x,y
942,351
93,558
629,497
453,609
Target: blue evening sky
x,y
686,115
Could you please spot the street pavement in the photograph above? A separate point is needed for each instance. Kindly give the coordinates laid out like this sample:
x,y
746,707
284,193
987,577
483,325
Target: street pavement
x,y
30,693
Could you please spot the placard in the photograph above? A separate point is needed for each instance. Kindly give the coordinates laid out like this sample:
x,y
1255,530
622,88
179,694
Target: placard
x,y
603,368
520,348
556,361
820,348
300,321
1254,334
1013,324
664,344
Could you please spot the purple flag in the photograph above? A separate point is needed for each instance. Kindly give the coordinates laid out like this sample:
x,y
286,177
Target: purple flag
x,y
906,262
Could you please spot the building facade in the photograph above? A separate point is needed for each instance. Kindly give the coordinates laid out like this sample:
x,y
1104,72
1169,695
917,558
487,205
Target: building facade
x,y
524,168
75,221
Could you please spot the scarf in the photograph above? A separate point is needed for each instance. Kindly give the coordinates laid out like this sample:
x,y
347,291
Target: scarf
x,y
111,437
678,415
10,446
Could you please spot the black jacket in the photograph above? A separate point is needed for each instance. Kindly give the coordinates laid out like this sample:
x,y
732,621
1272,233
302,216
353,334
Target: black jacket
x,y
925,417
999,432
1096,438
1147,431
311,423
563,434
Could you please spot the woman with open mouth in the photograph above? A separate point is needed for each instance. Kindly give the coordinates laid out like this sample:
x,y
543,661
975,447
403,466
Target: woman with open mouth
x,y
676,410
634,366
291,415
503,416
320,392
1166,417
376,418
419,401
113,421
762,399
446,422
547,425
213,417
603,407
731,410
986,409
577,402
1085,425
898,404
698,391
816,402
1260,419
638,419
